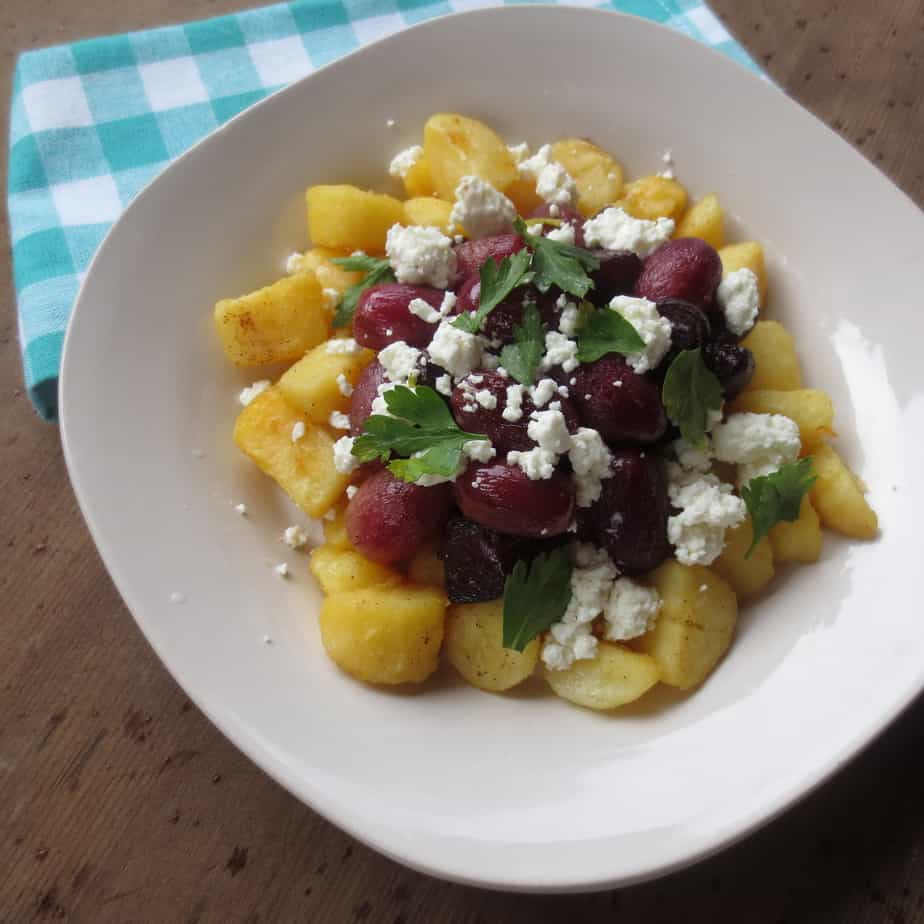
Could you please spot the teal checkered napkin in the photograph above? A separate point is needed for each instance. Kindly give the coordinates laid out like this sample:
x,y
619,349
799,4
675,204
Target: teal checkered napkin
x,y
93,122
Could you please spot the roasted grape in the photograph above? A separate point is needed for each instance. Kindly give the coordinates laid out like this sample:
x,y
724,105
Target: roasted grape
x,y
364,393
382,316
500,323
732,364
686,268
689,326
471,254
619,269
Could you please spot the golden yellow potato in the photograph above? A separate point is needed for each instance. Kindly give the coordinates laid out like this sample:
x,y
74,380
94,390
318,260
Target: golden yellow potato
x,y
338,570
319,260
334,525
799,540
654,197
417,181
598,176
429,211
311,385
696,624
303,469
351,218
704,220
837,495
522,193
747,576
474,633
616,676
811,409
385,634
776,365
746,255
426,567
275,324
456,146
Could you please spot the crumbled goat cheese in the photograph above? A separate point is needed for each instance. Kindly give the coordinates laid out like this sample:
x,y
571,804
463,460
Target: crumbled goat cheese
x,y
560,351
519,152
707,509
513,410
251,391
402,162
554,184
339,421
479,450
650,326
456,350
543,392
486,399
344,460
631,610
563,235
390,123
400,361
293,263
379,404
535,229
342,345
568,642
241,509
444,384
420,255
330,515
424,310
344,386
351,491
554,210
738,296
295,537
691,457
590,461
481,209
757,443
549,430
298,430
282,570
616,229
331,298
539,464
568,320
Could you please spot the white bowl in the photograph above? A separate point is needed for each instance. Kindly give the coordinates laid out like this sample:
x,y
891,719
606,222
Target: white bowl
x,y
520,791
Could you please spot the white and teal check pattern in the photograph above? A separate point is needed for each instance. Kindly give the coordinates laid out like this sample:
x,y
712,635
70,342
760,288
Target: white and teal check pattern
x,y
93,122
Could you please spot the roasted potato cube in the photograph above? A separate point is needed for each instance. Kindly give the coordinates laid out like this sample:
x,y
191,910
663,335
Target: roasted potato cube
x,y
275,324
747,576
304,469
319,260
654,197
799,540
338,570
704,220
426,567
696,624
474,634
776,365
334,525
598,176
429,211
351,218
750,255
312,385
385,634
417,181
616,676
522,193
811,409
455,146
837,495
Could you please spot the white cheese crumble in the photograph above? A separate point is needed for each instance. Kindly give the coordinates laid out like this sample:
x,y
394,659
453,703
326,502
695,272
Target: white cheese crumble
x,y
424,310
616,229
519,152
420,255
568,320
554,184
339,420
251,391
480,209
298,430
738,296
707,509
295,537
351,491
240,509
479,450
444,384
400,361
456,350
560,351
757,443
293,263
539,464
564,234
346,346
590,461
343,385
282,569
549,430
513,410
543,392
344,460
486,399
402,162
650,326
631,610
331,298
692,458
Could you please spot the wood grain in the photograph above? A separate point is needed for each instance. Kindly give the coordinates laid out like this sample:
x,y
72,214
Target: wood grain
x,y
120,802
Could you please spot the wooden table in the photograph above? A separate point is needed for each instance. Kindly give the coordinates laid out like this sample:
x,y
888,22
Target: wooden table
x,y
120,802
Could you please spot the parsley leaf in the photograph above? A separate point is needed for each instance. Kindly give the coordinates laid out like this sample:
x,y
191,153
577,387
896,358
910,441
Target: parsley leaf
x,y
522,357
773,498
607,331
690,391
557,264
535,597
421,427
376,269
497,282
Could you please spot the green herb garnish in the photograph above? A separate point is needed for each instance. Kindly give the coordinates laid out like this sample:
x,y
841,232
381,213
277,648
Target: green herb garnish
x,y
607,331
690,392
557,264
771,499
497,282
376,270
536,597
522,357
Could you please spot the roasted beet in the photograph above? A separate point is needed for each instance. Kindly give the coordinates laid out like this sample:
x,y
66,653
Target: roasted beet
x,y
566,215
623,405
733,365
364,393
686,268
471,254
505,434
689,326
389,519
501,321
503,497
630,518
619,270
382,316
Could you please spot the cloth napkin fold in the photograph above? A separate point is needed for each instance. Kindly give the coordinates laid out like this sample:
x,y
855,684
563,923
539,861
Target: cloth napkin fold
x,y
93,122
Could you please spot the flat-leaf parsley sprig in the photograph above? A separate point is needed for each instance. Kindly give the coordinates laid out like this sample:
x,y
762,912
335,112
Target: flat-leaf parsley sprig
x,y
773,498
375,269
557,264
536,597
691,395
